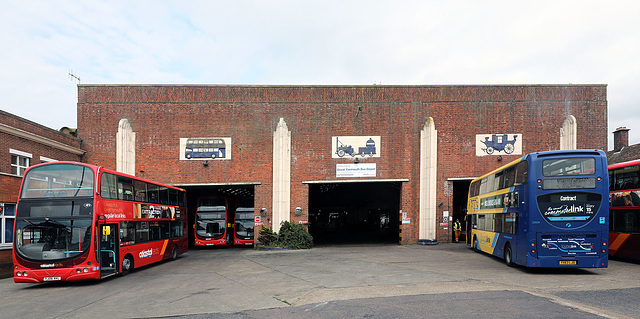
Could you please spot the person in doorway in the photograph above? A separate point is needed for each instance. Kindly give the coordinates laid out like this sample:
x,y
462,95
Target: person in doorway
x,y
456,229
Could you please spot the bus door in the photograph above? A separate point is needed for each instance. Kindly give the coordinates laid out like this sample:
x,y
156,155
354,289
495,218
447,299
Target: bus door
x,y
108,247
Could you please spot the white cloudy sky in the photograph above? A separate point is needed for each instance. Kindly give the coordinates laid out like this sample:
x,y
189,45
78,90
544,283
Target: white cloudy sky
x,y
315,42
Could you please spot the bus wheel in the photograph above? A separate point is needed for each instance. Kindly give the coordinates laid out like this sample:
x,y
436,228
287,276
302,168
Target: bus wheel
x,y
127,265
174,253
475,244
508,258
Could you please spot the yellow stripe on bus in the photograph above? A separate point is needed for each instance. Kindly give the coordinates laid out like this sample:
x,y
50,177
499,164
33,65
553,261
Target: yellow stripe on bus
x,y
619,241
164,247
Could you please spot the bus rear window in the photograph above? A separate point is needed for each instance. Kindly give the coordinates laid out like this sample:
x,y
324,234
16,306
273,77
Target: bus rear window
x,y
568,166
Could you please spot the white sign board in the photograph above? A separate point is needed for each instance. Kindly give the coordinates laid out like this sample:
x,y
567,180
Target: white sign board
x,y
205,148
356,170
498,144
355,146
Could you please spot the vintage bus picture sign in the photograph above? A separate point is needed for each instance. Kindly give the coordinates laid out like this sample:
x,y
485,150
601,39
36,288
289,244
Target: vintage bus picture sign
x,y
205,148
498,144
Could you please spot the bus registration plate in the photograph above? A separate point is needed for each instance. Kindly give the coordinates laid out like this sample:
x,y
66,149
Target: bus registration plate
x,y
568,262
51,278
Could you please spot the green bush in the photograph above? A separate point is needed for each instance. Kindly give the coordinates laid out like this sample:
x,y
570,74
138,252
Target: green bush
x,y
267,237
291,235
295,236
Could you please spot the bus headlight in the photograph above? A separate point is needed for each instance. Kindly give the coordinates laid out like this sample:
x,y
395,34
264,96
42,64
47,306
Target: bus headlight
x,y
85,270
18,274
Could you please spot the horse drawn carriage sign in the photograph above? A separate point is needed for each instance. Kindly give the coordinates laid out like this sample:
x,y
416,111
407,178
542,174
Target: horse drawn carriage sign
x,y
498,144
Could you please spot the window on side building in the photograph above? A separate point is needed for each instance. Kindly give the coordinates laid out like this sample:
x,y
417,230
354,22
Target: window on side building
x,y
7,216
19,161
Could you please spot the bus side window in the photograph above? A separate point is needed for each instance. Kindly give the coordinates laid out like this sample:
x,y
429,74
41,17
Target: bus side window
x,y
108,186
182,198
142,232
127,232
140,191
125,188
173,197
153,194
498,181
165,230
522,170
499,223
176,229
509,177
510,223
164,195
481,222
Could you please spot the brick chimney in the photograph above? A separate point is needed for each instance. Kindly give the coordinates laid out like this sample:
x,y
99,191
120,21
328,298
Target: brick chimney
x,y
620,138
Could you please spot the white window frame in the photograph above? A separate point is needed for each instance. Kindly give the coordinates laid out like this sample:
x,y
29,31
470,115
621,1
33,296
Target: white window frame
x,y
47,160
18,167
3,221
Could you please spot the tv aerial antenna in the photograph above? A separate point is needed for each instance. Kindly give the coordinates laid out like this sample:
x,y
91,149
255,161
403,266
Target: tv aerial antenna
x,y
74,77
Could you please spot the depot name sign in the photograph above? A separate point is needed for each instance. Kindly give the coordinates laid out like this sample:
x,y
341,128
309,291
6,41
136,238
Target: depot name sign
x,y
356,170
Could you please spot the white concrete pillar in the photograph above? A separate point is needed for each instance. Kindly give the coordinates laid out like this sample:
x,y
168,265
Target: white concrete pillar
x,y
428,170
125,148
281,174
569,133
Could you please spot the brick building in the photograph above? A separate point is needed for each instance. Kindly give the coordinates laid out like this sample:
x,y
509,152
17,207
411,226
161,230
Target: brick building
x,y
622,151
22,144
379,163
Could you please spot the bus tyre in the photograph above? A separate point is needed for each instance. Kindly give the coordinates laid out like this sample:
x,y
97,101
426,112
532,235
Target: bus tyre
x,y
508,258
127,265
475,244
174,253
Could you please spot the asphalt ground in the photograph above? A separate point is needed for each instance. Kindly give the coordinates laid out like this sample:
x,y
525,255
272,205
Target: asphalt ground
x,y
346,281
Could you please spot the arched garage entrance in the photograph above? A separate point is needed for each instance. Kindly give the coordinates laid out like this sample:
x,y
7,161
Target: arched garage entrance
x,y
354,212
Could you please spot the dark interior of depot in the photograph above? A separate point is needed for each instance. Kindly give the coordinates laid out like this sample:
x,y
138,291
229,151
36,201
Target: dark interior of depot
x,y
354,213
339,213
234,195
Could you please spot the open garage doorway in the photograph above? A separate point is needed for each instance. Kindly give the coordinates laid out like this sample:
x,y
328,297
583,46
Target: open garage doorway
x,y
459,207
235,224
355,212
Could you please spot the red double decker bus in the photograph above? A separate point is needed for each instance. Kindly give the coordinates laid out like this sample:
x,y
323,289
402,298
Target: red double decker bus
x,y
212,224
624,210
76,221
244,223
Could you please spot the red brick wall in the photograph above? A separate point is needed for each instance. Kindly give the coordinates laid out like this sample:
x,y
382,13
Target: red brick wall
x,y
10,184
160,115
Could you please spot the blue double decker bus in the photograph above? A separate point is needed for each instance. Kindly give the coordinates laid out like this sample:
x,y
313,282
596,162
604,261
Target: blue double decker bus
x,y
546,209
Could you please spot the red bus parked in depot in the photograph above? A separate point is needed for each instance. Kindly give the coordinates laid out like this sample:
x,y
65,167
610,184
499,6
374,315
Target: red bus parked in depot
x,y
76,221
212,222
244,223
624,210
